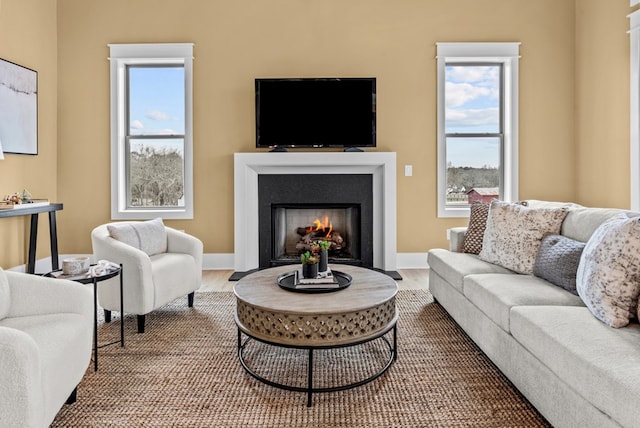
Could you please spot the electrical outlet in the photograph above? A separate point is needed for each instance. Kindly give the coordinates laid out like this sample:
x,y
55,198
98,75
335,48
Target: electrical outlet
x,y
408,170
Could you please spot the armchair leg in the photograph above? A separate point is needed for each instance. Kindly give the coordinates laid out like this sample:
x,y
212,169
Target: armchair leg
x,y
107,316
140,323
190,298
73,397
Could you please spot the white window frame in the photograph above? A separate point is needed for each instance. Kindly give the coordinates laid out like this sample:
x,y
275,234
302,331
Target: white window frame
x,y
121,56
507,54
634,119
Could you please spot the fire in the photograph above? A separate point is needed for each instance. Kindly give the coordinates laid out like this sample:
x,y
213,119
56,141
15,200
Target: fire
x,y
323,225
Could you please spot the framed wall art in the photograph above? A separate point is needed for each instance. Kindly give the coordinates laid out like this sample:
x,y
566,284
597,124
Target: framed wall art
x,y
18,108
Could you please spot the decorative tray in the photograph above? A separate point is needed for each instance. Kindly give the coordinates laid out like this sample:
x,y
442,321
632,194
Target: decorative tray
x,y
289,281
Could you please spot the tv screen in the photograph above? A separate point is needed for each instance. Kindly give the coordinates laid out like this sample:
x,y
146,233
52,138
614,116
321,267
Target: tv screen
x,y
316,112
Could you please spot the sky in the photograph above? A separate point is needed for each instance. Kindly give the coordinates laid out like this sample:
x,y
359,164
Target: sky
x,y
472,96
156,103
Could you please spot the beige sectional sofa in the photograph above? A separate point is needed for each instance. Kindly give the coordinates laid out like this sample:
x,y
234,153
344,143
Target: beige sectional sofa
x,y
576,370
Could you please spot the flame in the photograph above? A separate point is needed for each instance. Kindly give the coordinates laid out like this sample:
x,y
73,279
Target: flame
x,y
323,225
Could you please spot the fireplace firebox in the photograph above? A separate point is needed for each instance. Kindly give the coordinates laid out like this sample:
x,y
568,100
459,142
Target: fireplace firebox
x,y
298,209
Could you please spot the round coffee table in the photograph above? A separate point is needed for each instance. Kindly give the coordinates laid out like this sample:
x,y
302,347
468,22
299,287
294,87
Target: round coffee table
x,y
360,313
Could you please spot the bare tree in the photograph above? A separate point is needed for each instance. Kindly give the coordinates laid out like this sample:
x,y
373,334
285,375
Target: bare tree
x,y
156,177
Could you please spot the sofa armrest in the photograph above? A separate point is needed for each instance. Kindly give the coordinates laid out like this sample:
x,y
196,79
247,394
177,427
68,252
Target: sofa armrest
x,y
456,238
21,396
181,242
36,295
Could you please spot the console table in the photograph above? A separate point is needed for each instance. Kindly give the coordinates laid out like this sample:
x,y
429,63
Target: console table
x,y
33,233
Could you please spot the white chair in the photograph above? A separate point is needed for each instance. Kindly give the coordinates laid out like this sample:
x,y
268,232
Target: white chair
x,y
159,265
46,332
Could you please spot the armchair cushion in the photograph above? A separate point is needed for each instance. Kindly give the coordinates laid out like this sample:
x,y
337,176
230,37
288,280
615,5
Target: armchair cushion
x,y
148,236
5,295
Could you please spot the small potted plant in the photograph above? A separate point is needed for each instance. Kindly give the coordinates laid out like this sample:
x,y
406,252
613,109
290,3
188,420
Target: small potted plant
x,y
324,255
309,265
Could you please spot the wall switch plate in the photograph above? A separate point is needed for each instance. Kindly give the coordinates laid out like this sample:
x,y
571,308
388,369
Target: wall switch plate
x,y
408,170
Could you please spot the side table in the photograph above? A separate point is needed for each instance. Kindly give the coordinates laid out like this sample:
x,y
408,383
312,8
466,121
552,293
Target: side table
x,y
87,278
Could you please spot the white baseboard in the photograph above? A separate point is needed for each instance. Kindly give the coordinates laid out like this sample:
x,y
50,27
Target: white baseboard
x,y
412,261
224,261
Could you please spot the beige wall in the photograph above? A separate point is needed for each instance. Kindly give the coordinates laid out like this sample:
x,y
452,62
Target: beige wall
x,y
28,37
602,103
238,40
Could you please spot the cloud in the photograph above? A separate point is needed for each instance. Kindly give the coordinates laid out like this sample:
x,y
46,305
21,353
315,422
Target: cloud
x,y
484,75
458,118
158,115
136,124
458,94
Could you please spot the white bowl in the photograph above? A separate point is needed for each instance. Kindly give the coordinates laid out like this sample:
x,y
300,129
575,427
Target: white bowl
x,y
75,265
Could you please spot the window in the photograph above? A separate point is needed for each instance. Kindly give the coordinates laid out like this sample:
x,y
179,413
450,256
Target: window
x,y
151,131
477,124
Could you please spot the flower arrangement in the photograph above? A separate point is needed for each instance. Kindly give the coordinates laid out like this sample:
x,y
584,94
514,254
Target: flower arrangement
x,y
324,245
309,258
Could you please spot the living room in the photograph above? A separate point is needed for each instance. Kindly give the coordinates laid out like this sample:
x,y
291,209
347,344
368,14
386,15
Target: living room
x,y
573,100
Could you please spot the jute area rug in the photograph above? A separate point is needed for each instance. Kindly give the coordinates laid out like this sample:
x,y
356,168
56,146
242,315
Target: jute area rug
x,y
184,372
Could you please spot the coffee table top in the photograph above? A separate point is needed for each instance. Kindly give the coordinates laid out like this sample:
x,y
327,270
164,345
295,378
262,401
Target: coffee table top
x,y
353,314
368,288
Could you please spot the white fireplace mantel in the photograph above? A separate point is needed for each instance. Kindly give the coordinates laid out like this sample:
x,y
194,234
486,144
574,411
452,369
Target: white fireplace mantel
x,y
248,166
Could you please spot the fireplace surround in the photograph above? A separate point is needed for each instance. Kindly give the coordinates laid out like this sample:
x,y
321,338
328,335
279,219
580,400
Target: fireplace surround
x,y
248,167
287,202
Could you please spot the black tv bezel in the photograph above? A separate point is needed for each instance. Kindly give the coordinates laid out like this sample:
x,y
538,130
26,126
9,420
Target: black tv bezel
x,y
373,142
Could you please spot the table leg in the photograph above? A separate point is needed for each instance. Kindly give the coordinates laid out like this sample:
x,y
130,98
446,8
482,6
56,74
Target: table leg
x,y
95,325
53,238
33,239
121,309
310,377
395,342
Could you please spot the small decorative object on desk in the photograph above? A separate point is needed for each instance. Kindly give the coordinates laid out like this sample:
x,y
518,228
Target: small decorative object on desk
x,y
21,200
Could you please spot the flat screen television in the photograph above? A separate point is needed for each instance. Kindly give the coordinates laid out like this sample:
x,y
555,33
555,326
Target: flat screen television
x,y
315,112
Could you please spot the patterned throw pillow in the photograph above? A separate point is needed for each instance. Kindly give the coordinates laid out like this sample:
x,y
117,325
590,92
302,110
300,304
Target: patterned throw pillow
x,y
148,236
608,278
472,242
514,232
557,261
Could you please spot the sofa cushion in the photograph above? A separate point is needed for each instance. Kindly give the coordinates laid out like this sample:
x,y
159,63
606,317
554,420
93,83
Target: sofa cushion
x,y
5,296
453,267
608,278
148,236
496,294
557,261
600,363
514,233
580,223
475,230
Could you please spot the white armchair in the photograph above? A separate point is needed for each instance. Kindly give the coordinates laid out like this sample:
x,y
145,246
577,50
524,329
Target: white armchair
x,y
159,265
46,332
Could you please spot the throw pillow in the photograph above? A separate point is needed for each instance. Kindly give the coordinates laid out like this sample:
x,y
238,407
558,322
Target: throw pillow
x,y
472,242
608,278
557,261
148,236
514,232
5,295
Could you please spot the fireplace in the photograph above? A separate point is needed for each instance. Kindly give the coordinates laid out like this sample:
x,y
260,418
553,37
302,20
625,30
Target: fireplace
x,y
249,167
298,209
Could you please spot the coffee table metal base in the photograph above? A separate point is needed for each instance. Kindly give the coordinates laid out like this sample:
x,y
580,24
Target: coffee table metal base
x,y
393,356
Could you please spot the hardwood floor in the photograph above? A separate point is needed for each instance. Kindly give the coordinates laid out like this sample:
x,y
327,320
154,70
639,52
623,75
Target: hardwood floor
x,y
218,280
